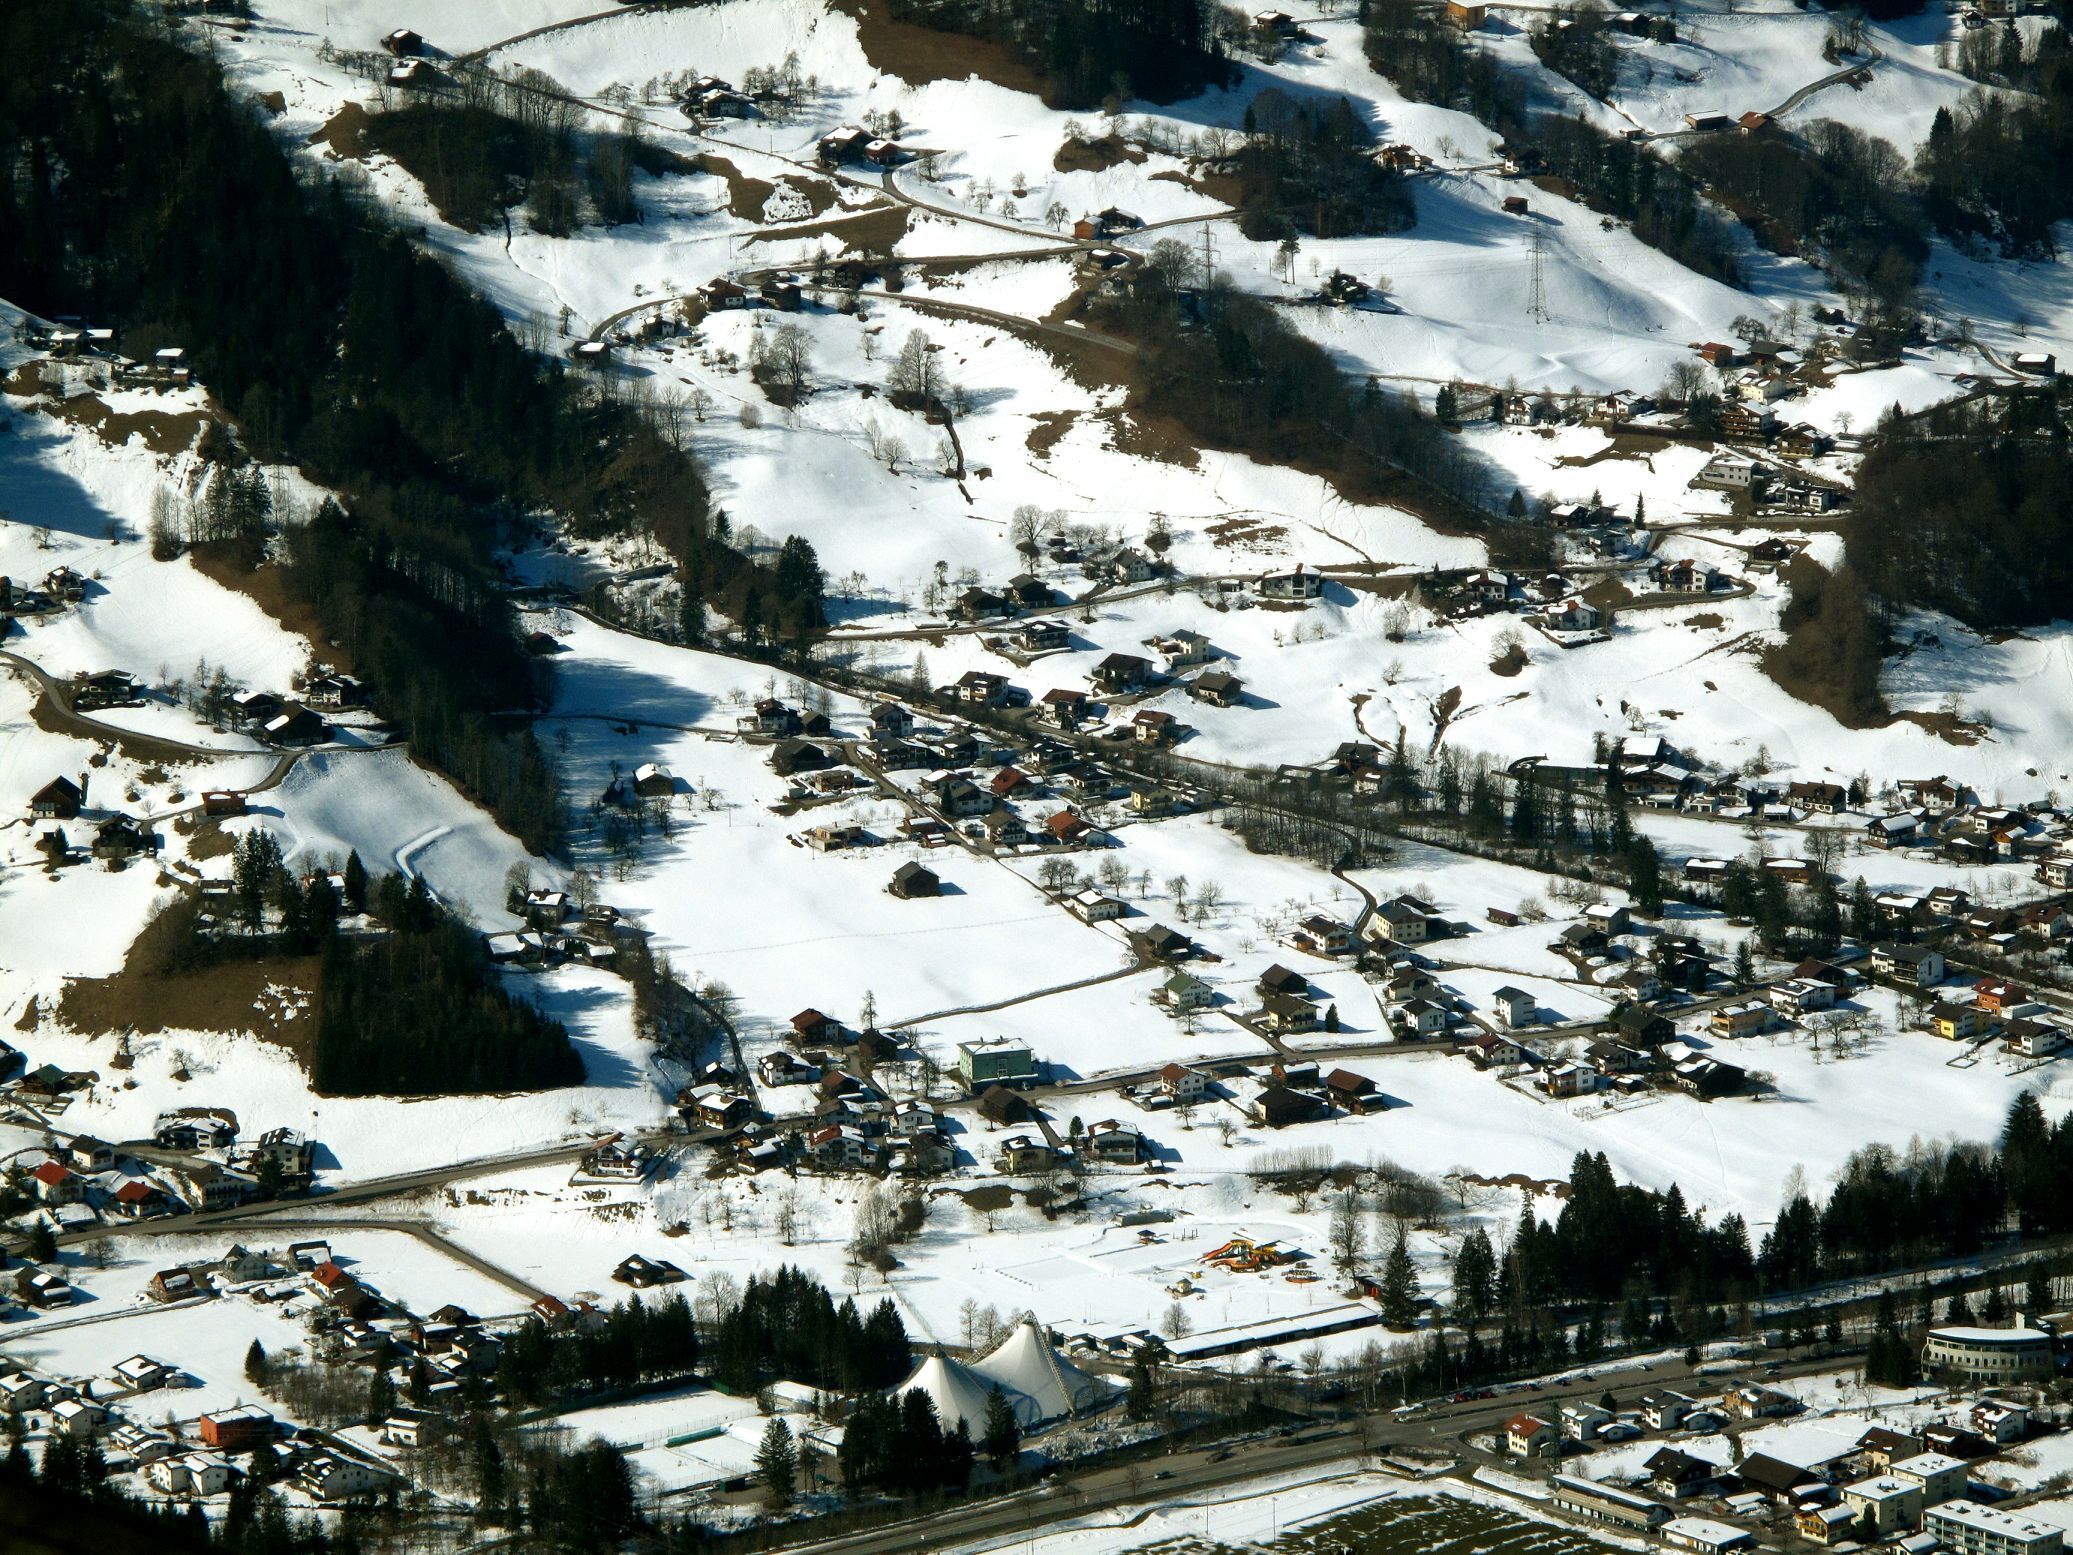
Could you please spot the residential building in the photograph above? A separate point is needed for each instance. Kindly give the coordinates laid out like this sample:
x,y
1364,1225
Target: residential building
x,y
235,1430
1677,1475
1886,1505
1989,1355
1801,996
1916,964
1665,1409
1746,1019
1515,1007
1705,1536
1182,1083
995,1061
1942,1477
1528,1435
1185,991
1967,1528
1605,1503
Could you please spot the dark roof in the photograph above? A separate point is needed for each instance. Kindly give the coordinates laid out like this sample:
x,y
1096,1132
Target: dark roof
x,y
1767,1473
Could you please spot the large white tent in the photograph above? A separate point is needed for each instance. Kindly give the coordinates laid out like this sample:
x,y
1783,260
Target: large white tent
x,y
958,1392
1028,1369
1038,1383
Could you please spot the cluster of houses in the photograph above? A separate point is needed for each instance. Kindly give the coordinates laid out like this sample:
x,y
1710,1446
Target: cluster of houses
x,y
557,931
1912,1489
62,586
708,97
446,1353
278,720
1988,1009
74,352
107,835
1765,485
847,144
1489,591
83,1181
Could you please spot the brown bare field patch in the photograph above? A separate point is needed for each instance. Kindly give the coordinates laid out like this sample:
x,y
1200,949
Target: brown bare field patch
x,y
1373,578
1246,531
1049,426
275,103
1627,445
1607,593
919,55
206,838
1148,436
1707,621
873,230
1095,156
163,432
230,997
1223,188
1947,727
745,195
31,1014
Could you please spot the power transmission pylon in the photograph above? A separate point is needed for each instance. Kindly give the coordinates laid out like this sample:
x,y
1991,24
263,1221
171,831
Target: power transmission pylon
x,y
1537,296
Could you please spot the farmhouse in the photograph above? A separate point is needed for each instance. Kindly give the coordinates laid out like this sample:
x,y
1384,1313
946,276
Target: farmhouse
x,y
915,880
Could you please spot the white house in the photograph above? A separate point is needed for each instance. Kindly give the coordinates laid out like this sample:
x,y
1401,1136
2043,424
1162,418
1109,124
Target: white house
x,y
1515,1007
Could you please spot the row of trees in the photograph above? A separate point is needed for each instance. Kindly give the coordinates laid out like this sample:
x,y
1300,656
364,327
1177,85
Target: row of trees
x,y
1236,375
1614,1239
487,143
787,1325
633,1343
899,1444
1890,1209
1832,194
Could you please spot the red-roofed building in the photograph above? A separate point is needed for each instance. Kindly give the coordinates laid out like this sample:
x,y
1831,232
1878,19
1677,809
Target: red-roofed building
x,y
1994,996
136,1199
55,1183
1067,827
333,1283
1526,1435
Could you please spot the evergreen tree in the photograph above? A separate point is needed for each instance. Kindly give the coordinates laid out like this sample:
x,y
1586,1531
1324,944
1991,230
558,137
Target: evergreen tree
x,y
1142,1403
1399,1287
381,1395
777,1462
258,1369
2037,1291
1475,1277
1645,877
355,882
1003,1436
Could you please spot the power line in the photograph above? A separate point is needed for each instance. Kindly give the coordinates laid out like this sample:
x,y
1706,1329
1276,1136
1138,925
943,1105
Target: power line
x,y
1537,295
